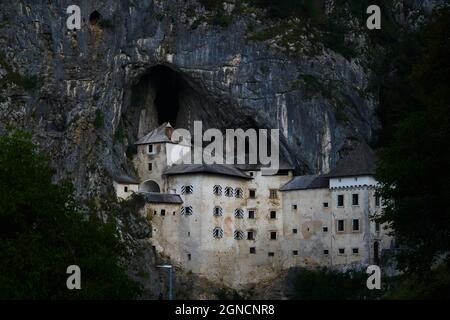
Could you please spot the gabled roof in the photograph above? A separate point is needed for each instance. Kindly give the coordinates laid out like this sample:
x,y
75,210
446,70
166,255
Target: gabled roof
x,y
158,135
306,182
155,197
220,169
359,162
125,179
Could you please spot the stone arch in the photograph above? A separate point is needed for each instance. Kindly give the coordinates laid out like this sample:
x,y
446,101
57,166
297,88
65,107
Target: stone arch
x,y
150,186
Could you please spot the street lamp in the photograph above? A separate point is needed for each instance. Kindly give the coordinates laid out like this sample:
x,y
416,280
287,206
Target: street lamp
x,y
168,267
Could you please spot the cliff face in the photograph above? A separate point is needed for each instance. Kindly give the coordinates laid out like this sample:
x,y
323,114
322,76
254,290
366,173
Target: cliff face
x,y
88,94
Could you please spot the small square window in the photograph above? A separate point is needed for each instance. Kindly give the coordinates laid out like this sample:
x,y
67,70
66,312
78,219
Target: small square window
x,y
155,212
273,214
355,224
271,254
273,194
252,250
340,200
355,251
325,204
294,230
273,235
341,250
252,194
163,212
295,253
189,256
252,173
340,226
125,189
150,166
174,213
355,199
325,229
294,207
250,235
251,214
325,251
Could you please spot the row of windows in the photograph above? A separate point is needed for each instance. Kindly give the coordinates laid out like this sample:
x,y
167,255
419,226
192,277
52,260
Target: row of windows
x,y
340,225
355,200
229,191
240,235
239,213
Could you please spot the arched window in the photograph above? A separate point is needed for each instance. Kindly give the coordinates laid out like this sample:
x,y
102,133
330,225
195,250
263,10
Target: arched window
x,y
239,213
239,235
228,192
187,211
217,190
238,193
187,189
217,233
217,212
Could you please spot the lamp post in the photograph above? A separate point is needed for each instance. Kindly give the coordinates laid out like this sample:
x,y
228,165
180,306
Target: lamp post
x,y
168,267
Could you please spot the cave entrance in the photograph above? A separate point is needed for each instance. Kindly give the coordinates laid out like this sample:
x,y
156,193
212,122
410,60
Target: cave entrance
x,y
160,90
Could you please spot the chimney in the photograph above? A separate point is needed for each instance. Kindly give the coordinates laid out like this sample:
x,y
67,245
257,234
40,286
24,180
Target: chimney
x,y
169,131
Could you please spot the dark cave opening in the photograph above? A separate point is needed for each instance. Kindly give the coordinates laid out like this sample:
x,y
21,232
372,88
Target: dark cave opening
x,y
94,17
166,87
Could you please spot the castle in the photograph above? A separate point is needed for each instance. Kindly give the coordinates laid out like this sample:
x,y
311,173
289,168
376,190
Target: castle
x,y
235,225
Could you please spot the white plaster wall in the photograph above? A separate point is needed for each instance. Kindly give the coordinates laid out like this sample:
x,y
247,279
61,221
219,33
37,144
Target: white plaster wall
x,y
352,182
120,190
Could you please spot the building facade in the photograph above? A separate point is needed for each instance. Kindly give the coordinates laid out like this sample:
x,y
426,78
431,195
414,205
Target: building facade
x,y
239,226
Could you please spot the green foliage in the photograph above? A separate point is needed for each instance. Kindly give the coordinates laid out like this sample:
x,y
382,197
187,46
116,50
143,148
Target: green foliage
x,y
43,231
325,284
412,170
99,120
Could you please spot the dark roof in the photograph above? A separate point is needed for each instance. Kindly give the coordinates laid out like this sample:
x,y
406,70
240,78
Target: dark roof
x,y
220,169
306,182
359,162
155,197
157,135
125,179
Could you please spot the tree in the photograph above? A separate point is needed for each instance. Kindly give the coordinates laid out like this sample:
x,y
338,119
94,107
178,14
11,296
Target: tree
x,y
413,168
43,230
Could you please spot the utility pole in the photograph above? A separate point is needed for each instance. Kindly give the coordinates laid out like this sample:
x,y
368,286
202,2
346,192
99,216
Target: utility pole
x,y
169,268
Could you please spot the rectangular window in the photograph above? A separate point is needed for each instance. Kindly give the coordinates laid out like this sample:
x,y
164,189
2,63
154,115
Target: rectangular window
x,y
325,251
252,173
125,189
150,166
273,214
325,204
271,254
250,235
295,253
251,214
355,251
355,224
377,226
340,200
163,212
273,235
340,226
294,230
150,148
325,229
341,251
252,250
189,256
377,201
355,199
294,207
273,194
252,194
